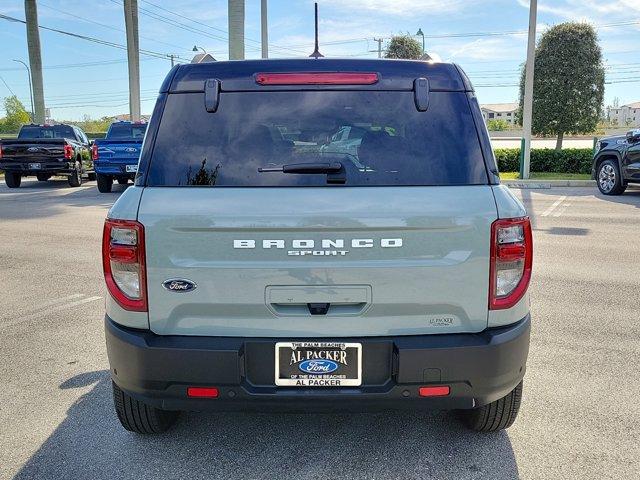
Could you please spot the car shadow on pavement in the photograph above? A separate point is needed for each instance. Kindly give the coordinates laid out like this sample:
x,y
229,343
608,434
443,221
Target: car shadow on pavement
x,y
90,443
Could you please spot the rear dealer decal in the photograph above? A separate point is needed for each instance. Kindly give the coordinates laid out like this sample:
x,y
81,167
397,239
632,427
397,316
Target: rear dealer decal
x,y
325,247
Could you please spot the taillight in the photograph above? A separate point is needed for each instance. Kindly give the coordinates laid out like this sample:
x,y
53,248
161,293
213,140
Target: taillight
x,y
68,152
511,261
94,151
123,259
317,78
0,150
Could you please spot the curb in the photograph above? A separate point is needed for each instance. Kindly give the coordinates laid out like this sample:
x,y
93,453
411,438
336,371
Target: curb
x,y
540,184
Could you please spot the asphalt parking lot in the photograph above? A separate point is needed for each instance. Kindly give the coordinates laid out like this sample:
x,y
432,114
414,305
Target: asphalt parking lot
x,y
580,416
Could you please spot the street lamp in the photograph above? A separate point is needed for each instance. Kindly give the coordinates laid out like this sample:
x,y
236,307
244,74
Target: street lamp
x,y
196,48
420,33
30,88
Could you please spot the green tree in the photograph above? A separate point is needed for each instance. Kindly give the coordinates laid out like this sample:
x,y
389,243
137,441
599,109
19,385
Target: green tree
x,y
568,86
16,115
404,46
497,125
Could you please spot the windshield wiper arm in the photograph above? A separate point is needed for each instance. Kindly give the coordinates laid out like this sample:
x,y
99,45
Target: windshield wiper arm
x,y
333,167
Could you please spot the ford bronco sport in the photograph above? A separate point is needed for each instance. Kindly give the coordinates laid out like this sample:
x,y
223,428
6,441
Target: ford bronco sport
x,y
256,266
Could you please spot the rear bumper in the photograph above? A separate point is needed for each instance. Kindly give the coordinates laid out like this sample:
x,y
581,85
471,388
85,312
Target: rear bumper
x,y
116,169
50,166
479,368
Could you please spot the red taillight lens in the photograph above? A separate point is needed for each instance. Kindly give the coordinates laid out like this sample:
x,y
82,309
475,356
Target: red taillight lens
x,y
202,392
0,150
123,260
94,151
434,391
68,152
317,78
511,261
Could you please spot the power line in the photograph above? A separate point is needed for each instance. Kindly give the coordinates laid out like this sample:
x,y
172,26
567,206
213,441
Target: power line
x,y
274,46
108,26
87,38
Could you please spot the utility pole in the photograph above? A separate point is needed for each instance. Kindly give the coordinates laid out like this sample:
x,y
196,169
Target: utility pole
x,y
379,40
236,29
133,57
171,57
35,59
527,108
264,29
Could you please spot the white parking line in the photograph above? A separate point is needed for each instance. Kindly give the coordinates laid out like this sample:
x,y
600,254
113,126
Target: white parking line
x,y
560,211
553,207
47,311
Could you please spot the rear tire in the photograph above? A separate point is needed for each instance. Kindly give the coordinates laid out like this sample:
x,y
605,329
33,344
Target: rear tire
x,y
12,179
43,177
496,415
75,179
609,179
138,417
104,183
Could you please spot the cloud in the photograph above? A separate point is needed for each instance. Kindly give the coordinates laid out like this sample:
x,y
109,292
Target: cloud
x,y
496,49
402,8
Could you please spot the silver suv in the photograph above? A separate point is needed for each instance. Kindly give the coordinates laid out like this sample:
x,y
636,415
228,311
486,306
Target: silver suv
x,y
258,263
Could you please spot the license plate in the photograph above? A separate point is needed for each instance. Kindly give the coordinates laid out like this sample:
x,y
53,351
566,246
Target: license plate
x,y
131,168
318,364
35,166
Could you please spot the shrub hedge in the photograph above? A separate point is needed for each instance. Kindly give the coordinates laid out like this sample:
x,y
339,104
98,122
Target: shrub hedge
x,y
568,160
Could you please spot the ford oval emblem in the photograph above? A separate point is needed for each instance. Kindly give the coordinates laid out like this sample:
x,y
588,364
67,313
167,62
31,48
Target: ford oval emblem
x,y
130,150
179,285
33,149
318,367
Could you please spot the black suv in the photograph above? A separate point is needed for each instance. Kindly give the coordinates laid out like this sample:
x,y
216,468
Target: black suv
x,y
616,162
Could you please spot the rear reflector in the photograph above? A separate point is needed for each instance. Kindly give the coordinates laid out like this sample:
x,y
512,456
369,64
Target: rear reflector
x,y
435,391
317,78
202,392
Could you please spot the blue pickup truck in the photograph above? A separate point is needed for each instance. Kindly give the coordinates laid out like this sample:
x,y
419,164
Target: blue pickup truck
x,y
116,156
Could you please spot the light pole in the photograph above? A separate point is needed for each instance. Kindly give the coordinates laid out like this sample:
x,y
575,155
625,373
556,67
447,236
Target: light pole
x,y
30,87
196,48
421,34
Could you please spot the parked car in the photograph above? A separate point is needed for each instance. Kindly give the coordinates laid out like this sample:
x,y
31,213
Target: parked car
x,y
116,156
44,151
246,270
616,162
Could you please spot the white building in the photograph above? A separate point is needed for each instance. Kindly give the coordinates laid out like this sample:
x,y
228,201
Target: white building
x,y
625,115
500,111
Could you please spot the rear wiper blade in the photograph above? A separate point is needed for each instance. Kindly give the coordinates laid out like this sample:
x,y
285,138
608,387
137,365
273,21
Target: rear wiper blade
x,y
333,167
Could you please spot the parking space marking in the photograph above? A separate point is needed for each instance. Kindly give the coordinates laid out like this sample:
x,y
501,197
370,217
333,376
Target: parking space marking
x,y
561,210
55,308
553,207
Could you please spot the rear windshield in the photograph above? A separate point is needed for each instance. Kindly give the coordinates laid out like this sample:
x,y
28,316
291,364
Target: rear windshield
x,y
54,131
377,136
127,131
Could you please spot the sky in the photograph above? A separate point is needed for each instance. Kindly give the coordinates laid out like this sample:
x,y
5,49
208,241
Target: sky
x,y
486,37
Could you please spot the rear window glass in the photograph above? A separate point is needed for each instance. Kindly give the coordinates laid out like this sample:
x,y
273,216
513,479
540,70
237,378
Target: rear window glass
x,y
127,131
378,136
54,131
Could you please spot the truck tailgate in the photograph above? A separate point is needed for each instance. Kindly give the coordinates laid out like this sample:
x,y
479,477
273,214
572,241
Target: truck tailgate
x,y
393,261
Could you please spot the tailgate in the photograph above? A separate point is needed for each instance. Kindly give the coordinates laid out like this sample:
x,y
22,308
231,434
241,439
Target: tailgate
x,y
30,150
119,151
318,262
